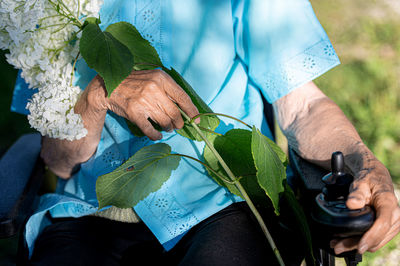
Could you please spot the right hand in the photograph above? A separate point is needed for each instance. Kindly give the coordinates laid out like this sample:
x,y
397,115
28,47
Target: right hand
x,y
146,94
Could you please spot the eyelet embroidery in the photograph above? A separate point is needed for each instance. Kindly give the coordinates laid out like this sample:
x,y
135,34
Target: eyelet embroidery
x,y
301,68
148,15
309,63
149,37
181,228
82,209
148,23
165,207
173,214
112,158
161,203
329,50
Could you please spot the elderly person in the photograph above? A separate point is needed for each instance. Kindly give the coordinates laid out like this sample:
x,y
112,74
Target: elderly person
x,y
232,53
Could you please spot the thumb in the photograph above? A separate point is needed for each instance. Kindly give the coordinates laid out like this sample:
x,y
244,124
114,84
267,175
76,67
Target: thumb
x,y
360,194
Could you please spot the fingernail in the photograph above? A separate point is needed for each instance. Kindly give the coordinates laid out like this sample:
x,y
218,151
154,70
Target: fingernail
x,y
363,248
197,120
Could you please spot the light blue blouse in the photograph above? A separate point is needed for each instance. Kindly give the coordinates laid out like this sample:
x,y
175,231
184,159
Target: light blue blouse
x,y
231,52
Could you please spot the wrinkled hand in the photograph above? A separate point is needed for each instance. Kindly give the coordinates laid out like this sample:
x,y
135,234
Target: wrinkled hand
x,y
150,94
373,186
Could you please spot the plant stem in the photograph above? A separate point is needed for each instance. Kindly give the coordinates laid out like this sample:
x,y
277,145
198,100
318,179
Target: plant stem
x,y
75,18
239,187
231,117
209,131
205,165
73,68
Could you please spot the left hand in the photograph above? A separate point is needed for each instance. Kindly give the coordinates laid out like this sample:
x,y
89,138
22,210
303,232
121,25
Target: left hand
x,y
372,186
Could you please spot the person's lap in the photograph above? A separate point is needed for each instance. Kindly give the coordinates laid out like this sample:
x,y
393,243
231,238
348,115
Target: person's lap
x,y
230,237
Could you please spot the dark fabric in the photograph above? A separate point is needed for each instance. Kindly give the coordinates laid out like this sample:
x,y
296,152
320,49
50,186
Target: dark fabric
x,y
230,237
15,170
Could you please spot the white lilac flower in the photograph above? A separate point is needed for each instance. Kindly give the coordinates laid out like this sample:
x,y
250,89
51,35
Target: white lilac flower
x,y
39,38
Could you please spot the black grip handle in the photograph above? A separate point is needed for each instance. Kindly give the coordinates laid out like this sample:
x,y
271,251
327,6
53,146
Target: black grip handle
x,y
330,212
337,163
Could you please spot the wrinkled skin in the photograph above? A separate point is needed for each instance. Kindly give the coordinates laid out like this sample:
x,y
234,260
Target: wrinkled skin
x,y
142,95
316,127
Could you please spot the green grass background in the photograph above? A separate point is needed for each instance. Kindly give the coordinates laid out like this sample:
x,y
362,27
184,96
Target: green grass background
x,y
366,36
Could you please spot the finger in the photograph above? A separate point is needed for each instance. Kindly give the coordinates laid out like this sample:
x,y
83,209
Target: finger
x,y
173,112
344,245
394,230
359,196
140,119
167,107
162,119
179,96
385,204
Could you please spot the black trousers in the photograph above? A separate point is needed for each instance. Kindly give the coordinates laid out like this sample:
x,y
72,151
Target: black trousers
x,y
230,237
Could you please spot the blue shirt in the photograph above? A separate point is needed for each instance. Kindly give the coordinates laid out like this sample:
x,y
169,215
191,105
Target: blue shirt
x,y
231,52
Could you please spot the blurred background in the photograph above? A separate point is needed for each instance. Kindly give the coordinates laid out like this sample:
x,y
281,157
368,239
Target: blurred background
x,y
366,36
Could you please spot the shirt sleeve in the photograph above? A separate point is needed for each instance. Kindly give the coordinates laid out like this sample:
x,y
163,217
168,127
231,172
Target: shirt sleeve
x,y
282,44
21,95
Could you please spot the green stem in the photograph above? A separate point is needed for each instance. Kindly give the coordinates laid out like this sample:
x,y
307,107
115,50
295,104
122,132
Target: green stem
x,y
205,165
68,15
209,131
44,18
239,187
74,35
50,26
71,14
60,29
73,68
231,117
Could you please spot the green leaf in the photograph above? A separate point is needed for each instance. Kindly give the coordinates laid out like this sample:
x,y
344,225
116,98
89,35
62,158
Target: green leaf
x,y
105,54
235,148
140,48
208,122
211,160
270,169
281,154
91,20
140,175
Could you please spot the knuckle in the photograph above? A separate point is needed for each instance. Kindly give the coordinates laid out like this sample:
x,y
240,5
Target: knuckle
x,y
151,85
158,74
